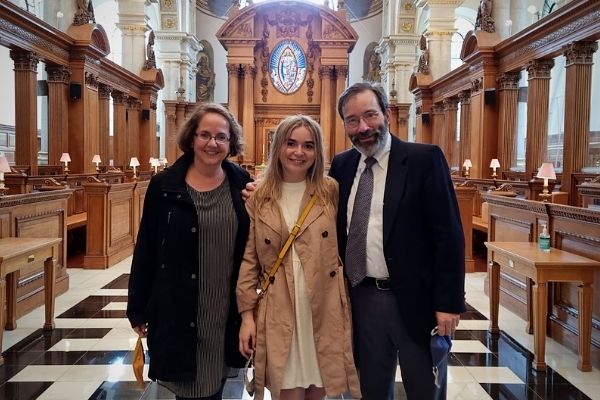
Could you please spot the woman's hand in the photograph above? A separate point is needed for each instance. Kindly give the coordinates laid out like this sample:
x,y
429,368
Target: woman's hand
x,y
141,330
247,334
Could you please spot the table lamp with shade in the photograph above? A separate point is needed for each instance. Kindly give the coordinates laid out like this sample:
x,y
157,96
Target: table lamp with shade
x,y
493,165
134,163
165,162
467,165
97,160
4,167
65,158
546,172
155,163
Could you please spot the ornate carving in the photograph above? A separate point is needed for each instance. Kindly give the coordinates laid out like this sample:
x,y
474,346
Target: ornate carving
x,y
150,57
341,71
233,69
119,97
91,80
580,53
464,97
205,80
265,54
9,27
85,13
104,91
168,22
374,73
133,103
248,70
437,108
58,74
406,26
25,60
509,81
540,69
423,65
476,85
168,5
326,71
450,103
484,21
245,30
418,110
331,32
288,23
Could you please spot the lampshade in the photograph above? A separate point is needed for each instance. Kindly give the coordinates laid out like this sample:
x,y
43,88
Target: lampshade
x,y
96,158
467,163
495,163
151,160
134,162
65,157
165,161
155,162
546,171
4,167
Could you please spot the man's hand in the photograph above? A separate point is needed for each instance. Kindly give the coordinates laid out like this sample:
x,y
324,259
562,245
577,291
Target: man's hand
x,y
250,187
446,322
141,330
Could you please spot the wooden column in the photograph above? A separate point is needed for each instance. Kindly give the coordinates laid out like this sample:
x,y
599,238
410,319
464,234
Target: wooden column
x,y
326,76
147,144
340,140
251,152
58,112
437,118
104,122
577,111
120,129
450,109
26,148
82,147
465,126
401,127
508,98
171,147
233,73
537,114
393,120
133,133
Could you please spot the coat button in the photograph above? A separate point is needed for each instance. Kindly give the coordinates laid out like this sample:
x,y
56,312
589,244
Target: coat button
x,y
193,276
178,196
268,241
325,234
162,266
164,195
192,324
332,274
194,230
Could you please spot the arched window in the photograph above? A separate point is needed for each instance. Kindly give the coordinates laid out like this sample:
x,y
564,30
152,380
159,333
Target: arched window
x,y
462,25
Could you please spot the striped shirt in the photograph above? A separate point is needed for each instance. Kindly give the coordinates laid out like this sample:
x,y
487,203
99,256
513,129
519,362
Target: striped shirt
x,y
217,227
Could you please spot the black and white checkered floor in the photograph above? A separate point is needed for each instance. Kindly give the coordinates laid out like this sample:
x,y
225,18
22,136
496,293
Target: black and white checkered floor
x,y
88,355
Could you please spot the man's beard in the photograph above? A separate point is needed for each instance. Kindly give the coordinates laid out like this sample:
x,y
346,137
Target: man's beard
x,y
371,149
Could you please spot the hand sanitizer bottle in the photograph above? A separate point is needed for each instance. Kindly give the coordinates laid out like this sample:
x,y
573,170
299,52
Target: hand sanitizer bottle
x,y
544,239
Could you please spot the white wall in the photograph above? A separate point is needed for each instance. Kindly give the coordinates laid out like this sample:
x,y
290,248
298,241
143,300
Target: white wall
x,y
368,30
7,83
206,28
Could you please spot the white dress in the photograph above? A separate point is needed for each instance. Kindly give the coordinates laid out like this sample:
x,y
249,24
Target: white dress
x,y
302,367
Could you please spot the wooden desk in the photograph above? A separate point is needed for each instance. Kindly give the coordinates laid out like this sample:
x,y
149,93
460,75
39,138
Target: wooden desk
x,y
26,254
541,268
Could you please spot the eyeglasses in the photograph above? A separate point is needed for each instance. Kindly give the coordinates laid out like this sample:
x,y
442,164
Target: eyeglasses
x,y
206,137
369,117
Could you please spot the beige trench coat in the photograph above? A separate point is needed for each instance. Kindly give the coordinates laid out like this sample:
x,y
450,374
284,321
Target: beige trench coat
x,y
316,246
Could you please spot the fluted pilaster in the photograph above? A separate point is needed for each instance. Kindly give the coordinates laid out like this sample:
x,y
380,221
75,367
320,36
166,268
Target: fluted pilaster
x,y
537,114
450,109
248,74
58,112
437,117
341,142
134,107
326,74
104,122
26,149
119,129
508,99
233,73
171,147
579,57
465,125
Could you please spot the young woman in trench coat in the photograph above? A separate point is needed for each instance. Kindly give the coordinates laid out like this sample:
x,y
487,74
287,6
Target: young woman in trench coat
x,y
301,337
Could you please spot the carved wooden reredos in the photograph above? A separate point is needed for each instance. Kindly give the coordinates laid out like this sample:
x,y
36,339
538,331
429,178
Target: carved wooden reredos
x,y
255,35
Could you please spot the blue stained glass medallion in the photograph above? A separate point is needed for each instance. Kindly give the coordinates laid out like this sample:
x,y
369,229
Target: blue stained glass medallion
x,y
287,67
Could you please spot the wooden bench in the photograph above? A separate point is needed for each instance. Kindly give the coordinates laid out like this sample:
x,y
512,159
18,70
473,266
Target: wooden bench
x,y
76,220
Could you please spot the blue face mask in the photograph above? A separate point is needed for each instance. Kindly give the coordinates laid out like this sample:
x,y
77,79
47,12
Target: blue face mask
x,y
440,348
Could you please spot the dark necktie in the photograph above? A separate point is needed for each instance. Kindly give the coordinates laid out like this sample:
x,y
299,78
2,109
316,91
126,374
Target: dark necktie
x,y
356,247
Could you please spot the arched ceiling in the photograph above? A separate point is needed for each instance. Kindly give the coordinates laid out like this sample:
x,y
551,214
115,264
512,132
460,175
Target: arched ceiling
x,y
356,9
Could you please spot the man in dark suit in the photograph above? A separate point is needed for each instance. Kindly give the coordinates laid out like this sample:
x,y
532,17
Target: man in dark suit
x,y
403,247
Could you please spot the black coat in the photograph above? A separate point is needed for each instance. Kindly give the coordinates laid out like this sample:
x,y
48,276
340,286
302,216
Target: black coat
x,y
163,285
423,240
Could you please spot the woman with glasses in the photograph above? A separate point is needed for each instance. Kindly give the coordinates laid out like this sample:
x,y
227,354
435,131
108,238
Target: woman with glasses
x,y
187,257
301,339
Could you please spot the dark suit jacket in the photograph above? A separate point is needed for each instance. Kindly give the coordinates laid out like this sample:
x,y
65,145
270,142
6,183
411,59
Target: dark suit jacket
x,y
422,233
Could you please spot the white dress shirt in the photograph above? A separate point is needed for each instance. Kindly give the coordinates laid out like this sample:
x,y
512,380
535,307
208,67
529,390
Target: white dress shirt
x,y
376,266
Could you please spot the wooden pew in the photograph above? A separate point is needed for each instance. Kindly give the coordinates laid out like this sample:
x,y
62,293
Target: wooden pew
x,y
465,195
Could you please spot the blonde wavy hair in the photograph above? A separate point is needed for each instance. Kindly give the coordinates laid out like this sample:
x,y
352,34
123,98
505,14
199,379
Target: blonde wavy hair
x,y
269,188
